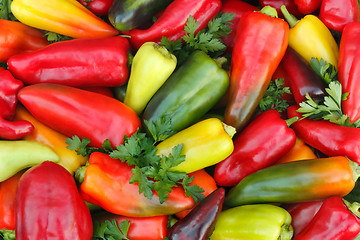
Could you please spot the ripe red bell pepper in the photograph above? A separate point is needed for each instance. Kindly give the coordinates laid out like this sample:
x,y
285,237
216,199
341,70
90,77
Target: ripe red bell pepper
x,y
329,138
200,222
337,14
335,219
303,80
307,6
172,21
289,4
77,62
9,87
72,111
48,205
239,8
259,145
106,184
17,37
253,62
98,7
349,69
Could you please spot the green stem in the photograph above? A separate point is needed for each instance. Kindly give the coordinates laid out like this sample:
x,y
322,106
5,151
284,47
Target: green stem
x,y
286,232
80,173
355,170
270,11
229,130
353,207
291,121
291,19
220,61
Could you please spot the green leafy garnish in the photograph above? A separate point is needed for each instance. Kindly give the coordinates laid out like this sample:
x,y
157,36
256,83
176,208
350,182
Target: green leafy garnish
x,y
56,37
324,69
5,10
273,97
7,234
110,230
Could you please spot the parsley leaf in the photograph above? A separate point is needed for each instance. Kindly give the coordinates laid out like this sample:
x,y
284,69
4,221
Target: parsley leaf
x,y
194,191
80,146
160,129
5,10
110,230
324,69
273,97
56,37
7,234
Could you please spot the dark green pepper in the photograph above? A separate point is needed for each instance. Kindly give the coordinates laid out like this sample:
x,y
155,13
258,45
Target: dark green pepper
x,y
189,93
129,14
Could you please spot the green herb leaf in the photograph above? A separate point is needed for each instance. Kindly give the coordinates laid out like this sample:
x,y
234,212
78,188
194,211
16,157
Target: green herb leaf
x,y
324,69
53,37
160,129
80,146
5,10
7,234
109,230
194,191
273,97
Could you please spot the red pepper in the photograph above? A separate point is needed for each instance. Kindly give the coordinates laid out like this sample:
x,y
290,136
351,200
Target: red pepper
x,y
302,213
77,62
239,8
349,69
253,62
334,220
106,184
48,205
307,6
337,14
149,228
289,4
200,222
172,21
7,201
301,77
17,37
98,7
329,138
9,87
72,111
259,145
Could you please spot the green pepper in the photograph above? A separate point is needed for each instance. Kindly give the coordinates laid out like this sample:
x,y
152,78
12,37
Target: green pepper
x,y
151,66
190,92
253,222
21,154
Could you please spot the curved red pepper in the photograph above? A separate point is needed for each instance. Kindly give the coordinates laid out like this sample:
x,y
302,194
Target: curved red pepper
x,y
77,63
329,138
200,222
9,87
48,204
337,14
289,4
307,6
254,60
333,221
349,69
98,7
301,77
259,145
239,8
172,21
72,111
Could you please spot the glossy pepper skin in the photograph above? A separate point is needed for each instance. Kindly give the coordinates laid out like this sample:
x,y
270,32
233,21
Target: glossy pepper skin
x,y
259,145
237,7
98,7
190,92
304,180
204,144
130,14
9,87
48,204
300,151
151,66
289,4
55,140
71,111
329,138
349,68
337,14
253,62
303,80
309,37
149,228
200,222
334,220
7,201
171,22
17,37
258,221
78,63
67,17
307,6
106,184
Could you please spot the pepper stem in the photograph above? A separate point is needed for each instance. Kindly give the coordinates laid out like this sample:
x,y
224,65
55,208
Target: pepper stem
x,y
353,207
220,61
291,121
291,19
229,129
286,232
355,170
270,11
80,173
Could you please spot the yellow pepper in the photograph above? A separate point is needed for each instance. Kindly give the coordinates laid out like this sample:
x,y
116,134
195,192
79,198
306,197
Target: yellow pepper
x,y
55,140
204,144
67,17
311,38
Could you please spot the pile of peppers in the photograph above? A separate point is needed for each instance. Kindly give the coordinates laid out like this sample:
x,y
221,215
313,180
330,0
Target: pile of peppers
x,y
115,71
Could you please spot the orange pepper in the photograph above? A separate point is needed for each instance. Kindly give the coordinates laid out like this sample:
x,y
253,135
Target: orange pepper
x,y
300,151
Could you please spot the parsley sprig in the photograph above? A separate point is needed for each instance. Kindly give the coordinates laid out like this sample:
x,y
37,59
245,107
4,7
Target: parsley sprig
x,y
151,171
324,69
207,40
273,97
5,10
109,230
